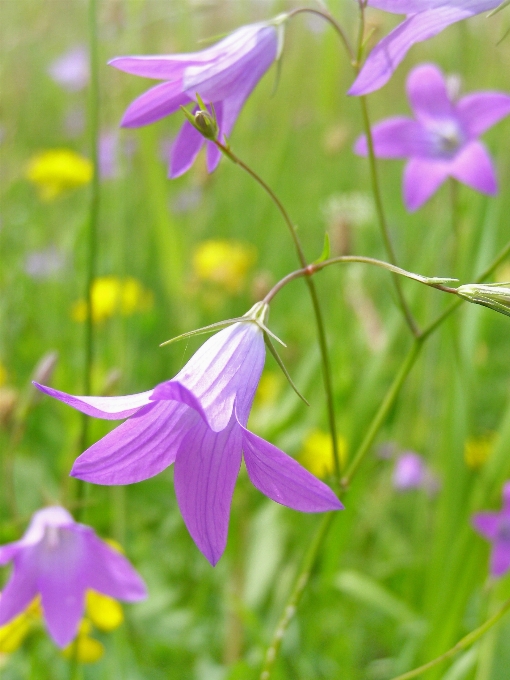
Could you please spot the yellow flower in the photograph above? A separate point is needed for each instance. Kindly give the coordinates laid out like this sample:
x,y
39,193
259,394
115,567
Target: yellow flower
x,y
317,453
14,632
84,648
268,389
103,611
3,375
225,263
111,296
477,450
57,170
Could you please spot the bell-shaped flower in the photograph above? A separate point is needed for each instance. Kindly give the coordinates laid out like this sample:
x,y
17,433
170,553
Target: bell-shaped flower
x,y
198,421
61,560
442,139
495,527
424,20
223,75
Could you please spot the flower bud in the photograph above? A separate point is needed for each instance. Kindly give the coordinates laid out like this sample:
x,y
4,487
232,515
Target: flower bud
x,y
496,296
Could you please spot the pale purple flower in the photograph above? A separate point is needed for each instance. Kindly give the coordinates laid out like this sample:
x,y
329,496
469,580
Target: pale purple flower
x,y
43,264
424,20
198,420
442,139
495,527
411,472
108,154
223,75
60,560
71,70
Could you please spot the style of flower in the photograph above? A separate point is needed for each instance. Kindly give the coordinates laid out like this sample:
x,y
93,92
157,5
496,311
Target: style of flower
x,y
424,20
112,296
225,263
60,560
495,527
198,421
442,139
223,75
56,171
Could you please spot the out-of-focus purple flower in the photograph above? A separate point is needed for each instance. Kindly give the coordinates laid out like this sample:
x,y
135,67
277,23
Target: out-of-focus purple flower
x,y
411,472
442,139
109,154
424,20
43,264
60,560
71,70
495,527
223,75
198,420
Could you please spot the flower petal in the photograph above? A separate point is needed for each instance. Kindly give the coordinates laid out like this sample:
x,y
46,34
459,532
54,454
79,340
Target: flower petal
x,y
426,90
481,110
397,137
422,177
156,103
184,150
138,449
283,479
21,587
108,408
473,166
487,524
206,470
500,558
389,52
160,67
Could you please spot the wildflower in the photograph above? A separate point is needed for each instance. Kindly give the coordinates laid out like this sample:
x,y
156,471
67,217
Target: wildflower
x,y
442,140
424,20
495,527
14,633
477,451
112,296
43,264
55,171
411,472
198,420
317,453
224,75
71,70
224,262
60,560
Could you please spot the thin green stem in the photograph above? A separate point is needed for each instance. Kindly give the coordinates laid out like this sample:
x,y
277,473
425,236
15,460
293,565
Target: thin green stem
x,y
321,333
465,642
336,25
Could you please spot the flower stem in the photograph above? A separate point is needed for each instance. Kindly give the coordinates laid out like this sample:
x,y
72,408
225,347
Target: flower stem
x,y
321,333
465,642
336,25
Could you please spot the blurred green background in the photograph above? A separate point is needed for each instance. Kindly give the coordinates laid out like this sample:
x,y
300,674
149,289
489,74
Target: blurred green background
x,y
402,575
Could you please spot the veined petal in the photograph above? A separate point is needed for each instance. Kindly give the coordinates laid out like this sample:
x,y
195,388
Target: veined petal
x,y
487,524
21,588
226,369
500,558
159,67
138,449
108,408
473,166
389,52
184,150
156,103
396,137
283,479
206,470
8,552
422,177
414,6
481,110
426,90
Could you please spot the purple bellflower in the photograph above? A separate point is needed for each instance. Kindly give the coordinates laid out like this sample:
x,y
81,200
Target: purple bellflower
x,y
223,75
424,20
60,560
198,421
442,139
495,527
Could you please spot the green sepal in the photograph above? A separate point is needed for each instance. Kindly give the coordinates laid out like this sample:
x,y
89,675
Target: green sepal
x,y
206,329
326,250
280,363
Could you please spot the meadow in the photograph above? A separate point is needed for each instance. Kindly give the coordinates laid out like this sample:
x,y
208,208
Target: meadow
x,y
400,575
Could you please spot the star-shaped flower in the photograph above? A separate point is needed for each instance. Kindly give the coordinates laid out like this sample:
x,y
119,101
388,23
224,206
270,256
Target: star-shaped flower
x,y
495,527
223,75
61,560
198,421
424,20
442,139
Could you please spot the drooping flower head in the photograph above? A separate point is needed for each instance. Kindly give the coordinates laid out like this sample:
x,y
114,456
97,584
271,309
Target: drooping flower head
x,y
61,560
223,75
198,421
442,139
495,527
424,20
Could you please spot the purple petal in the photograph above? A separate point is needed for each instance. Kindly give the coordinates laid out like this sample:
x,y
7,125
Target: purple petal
x,y
426,90
138,449
184,150
283,479
111,573
500,558
8,552
21,587
487,524
481,110
206,470
156,103
422,177
506,498
389,52
225,369
473,166
159,67
108,408
397,137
